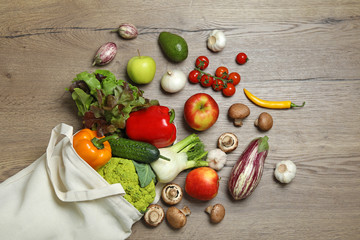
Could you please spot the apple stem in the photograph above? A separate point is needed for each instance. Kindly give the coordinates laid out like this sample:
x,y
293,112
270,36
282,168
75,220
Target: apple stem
x,y
138,52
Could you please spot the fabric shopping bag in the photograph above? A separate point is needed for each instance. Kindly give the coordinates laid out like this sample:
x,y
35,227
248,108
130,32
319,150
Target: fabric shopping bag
x,y
60,196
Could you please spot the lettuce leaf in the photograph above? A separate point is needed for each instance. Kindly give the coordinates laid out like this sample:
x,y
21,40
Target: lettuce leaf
x,y
90,79
82,100
107,102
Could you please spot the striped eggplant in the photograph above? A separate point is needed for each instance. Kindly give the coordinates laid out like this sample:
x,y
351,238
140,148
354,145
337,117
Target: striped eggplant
x,y
247,171
105,54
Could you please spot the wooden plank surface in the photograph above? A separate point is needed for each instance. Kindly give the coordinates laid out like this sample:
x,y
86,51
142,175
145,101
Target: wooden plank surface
x,y
299,50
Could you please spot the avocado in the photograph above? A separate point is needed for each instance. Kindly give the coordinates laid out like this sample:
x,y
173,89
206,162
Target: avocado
x,y
173,46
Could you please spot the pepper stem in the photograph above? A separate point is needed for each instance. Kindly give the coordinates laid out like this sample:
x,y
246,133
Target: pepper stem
x,y
172,115
99,142
294,105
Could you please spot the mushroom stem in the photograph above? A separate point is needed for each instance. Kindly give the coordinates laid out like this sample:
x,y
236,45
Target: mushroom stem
x,y
153,217
186,210
172,193
208,209
238,122
228,141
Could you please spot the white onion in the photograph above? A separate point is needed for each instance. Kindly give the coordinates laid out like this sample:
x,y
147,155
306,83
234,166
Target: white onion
x,y
173,81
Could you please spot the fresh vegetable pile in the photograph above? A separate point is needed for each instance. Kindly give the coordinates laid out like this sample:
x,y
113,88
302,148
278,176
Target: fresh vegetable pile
x,y
127,138
130,139
104,102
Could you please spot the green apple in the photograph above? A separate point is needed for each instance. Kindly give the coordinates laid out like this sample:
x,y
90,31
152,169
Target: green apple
x,y
141,69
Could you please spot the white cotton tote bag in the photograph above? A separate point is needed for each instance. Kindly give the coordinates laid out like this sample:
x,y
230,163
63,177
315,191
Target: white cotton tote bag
x,y
60,196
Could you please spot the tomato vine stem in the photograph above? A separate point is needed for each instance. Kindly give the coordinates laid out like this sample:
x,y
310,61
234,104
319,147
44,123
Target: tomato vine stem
x,y
225,81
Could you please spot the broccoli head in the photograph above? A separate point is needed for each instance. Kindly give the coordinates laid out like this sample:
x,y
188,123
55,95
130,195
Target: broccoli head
x,y
119,170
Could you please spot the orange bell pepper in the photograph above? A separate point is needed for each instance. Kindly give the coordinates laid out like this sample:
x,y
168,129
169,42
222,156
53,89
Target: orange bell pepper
x,y
95,151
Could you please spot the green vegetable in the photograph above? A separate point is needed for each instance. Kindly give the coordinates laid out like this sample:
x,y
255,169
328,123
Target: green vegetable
x,y
145,173
104,102
186,154
134,150
82,100
119,170
173,46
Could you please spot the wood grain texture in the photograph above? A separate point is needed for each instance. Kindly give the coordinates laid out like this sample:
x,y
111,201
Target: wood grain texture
x,y
299,50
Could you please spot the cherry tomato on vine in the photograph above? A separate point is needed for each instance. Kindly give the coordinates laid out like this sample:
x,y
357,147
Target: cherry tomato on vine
x,y
241,58
206,80
229,90
235,78
194,76
217,85
222,72
202,62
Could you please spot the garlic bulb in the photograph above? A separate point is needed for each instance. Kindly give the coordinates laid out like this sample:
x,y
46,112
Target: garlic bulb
x,y
216,41
216,159
285,171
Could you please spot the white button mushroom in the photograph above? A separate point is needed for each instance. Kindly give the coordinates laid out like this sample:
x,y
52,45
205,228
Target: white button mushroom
x,y
172,194
227,142
154,215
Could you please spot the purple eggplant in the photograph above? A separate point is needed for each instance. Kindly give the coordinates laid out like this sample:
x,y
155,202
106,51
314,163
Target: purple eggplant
x,y
105,54
247,171
127,31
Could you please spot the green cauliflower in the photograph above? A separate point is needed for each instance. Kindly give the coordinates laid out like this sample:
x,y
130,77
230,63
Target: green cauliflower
x,y
119,170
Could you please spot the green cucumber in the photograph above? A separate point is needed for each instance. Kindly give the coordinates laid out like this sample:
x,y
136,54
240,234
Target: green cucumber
x,y
134,150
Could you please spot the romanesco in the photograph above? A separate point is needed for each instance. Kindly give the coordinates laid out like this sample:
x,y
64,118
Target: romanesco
x,y
119,170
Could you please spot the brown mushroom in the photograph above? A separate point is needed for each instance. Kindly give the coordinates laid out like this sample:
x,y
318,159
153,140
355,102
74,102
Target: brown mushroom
x,y
177,217
172,194
227,142
154,215
216,212
264,121
238,112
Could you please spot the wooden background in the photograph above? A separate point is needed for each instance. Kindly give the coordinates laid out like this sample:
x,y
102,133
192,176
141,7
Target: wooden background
x,y
300,50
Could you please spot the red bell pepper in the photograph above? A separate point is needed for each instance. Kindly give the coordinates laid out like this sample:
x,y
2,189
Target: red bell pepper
x,y
153,125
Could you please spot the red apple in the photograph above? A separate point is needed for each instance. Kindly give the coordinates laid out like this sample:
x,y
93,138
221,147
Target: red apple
x,y
202,183
201,111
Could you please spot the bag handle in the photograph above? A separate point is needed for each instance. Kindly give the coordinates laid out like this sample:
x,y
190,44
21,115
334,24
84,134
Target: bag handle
x,y
53,172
